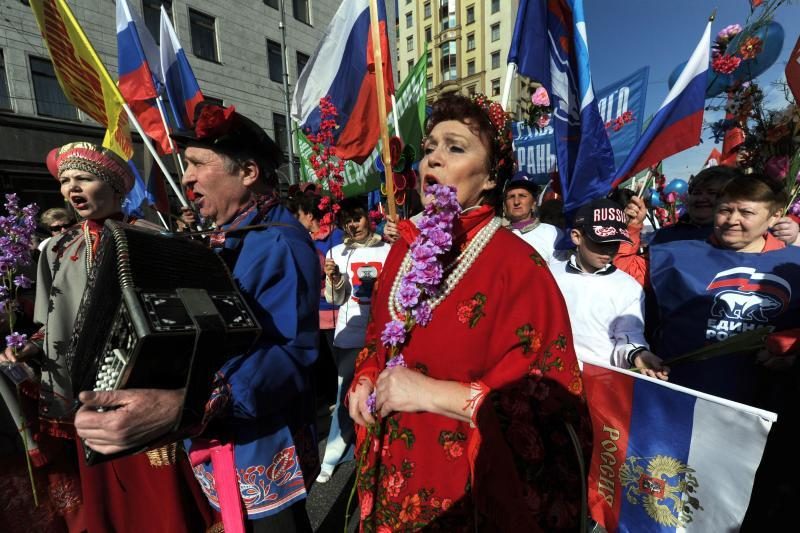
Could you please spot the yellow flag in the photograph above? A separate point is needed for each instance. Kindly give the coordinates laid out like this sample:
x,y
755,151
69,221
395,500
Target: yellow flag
x,y
82,75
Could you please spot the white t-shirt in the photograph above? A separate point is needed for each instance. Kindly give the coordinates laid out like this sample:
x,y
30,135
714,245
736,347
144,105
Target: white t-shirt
x,y
543,238
360,267
605,309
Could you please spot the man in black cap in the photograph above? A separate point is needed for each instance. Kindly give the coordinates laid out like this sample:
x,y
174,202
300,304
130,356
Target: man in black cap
x,y
261,455
605,304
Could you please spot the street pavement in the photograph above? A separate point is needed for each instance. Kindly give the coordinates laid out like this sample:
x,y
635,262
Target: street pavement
x,y
327,501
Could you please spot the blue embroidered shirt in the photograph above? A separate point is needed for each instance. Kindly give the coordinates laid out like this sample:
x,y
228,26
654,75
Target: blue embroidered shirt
x,y
269,406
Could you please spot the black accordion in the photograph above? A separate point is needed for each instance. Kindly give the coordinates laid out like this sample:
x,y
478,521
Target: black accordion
x,y
159,312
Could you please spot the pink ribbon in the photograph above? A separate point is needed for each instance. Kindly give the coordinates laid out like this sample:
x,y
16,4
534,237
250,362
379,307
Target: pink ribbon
x,y
225,481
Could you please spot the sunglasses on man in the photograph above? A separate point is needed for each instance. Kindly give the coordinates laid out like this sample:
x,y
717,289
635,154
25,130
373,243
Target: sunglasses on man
x,y
58,228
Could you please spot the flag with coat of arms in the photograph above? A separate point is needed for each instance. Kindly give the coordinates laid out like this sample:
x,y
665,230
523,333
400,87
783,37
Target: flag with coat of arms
x,y
667,458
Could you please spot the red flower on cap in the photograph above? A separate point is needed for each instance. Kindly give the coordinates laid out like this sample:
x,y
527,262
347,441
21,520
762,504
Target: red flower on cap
x,y
214,121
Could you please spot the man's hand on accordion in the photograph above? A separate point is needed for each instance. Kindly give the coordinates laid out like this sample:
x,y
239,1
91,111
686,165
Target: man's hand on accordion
x,y
113,421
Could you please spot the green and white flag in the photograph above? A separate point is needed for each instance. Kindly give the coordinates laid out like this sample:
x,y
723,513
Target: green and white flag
x,y
410,96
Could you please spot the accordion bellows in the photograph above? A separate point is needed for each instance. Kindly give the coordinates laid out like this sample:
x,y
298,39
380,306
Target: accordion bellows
x,y
158,312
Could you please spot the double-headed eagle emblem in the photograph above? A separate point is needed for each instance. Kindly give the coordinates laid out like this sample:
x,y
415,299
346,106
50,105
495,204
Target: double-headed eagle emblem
x,y
664,486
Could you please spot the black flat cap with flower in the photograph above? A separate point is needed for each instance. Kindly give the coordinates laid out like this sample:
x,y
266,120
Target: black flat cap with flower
x,y
225,130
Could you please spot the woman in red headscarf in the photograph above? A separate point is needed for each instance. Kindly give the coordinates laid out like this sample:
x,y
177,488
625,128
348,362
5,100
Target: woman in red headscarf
x,y
146,492
484,425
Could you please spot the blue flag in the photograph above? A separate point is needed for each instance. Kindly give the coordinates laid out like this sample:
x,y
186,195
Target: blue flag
x,y
549,45
132,205
621,107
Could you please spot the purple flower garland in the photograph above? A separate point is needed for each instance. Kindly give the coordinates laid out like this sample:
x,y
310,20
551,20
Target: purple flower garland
x,y
16,240
417,286
423,279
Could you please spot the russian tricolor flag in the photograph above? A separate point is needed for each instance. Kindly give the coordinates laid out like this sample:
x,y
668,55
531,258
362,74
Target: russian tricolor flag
x,y
138,73
342,67
667,458
182,87
677,124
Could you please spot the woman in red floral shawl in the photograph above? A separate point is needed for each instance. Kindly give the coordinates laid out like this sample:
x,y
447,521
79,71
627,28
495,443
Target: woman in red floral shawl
x,y
484,425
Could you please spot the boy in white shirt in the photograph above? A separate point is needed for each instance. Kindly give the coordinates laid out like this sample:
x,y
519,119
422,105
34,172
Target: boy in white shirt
x,y
350,275
605,304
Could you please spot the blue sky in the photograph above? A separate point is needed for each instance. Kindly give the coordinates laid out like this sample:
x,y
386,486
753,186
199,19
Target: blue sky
x,y
625,35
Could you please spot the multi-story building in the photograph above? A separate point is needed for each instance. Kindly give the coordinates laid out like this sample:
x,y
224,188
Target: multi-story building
x,y
234,48
468,43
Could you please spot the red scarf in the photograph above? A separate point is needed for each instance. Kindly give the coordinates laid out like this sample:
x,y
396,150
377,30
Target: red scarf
x,y
467,224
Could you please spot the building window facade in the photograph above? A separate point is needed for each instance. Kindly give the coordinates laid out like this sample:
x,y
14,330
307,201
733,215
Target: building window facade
x,y
151,10
495,6
204,35
273,3
449,61
302,61
427,10
302,11
409,20
496,32
50,98
470,67
429,82
470,14
428,34
447,14
410,43
495,59
5,99
275,61
279,129
496,87
470,42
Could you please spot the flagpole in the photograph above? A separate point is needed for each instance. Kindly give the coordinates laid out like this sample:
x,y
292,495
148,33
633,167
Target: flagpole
x,y
645,183
289,142
379,86
395,120
164,222
175,155
511,71
152,150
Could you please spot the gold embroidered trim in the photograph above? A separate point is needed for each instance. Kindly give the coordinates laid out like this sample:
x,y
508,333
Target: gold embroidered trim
x,y
163,456
216,528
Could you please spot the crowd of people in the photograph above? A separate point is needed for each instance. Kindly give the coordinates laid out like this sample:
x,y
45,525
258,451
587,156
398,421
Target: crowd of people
x,y
458,336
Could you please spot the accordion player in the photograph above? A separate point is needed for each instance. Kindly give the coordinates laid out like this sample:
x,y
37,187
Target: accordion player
x,y
159,312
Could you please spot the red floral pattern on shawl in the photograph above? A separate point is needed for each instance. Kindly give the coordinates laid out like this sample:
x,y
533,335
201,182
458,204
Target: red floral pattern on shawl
x,y
518,466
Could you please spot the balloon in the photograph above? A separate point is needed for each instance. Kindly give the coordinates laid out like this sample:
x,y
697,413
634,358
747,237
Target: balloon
x,y
771,36
678,186
655,199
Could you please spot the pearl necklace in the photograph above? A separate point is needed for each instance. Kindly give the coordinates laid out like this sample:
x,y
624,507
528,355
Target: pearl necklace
x,y
87,249
462,264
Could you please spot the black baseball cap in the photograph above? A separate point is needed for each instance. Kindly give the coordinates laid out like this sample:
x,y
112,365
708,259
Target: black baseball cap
x,y
603,221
